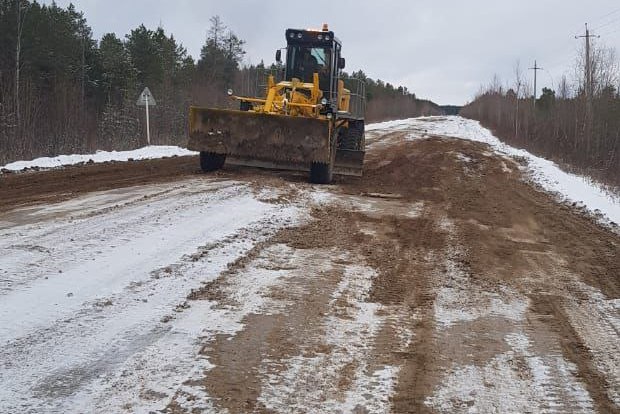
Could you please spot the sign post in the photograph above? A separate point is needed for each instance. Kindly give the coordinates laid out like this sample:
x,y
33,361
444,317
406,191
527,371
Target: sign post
x,y
148,126
146,99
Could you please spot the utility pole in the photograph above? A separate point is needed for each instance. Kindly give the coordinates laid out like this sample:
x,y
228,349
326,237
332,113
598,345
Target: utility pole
x,y
536,68
588,85
589,90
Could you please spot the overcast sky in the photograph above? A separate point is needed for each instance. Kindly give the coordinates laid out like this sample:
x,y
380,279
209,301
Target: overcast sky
x,y
442,51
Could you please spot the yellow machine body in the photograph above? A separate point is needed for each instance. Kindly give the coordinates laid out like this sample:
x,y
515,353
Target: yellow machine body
x,y
292,127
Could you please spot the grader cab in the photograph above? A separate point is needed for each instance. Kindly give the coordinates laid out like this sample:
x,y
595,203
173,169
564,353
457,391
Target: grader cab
x,y
309,121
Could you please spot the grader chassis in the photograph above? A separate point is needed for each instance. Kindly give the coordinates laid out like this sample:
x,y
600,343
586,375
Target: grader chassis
x,y
309,121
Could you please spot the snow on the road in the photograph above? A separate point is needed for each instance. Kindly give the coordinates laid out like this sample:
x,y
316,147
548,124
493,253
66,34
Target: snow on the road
x,y
597,322
547,174
310,383
93,316
149,152
518,380
500,387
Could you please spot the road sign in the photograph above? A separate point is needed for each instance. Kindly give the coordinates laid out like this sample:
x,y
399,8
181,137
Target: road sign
x,y
146,97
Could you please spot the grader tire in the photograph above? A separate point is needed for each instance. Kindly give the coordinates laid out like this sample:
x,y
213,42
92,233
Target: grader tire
x,y
210,161
353,136
321,172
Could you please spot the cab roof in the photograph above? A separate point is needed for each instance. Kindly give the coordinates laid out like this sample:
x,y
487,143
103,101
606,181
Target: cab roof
x,y
306,36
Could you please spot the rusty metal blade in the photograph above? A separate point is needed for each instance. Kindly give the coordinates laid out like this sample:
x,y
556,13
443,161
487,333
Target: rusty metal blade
x,y
349,162
266,137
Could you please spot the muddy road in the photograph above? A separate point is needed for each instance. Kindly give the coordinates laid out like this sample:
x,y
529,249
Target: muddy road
x,y
441,282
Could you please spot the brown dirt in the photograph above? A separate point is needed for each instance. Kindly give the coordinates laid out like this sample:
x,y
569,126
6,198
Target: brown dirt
x,y
506,239
49,186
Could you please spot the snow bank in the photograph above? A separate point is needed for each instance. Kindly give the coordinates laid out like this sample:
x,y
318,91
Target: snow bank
x,y
150,152
392,125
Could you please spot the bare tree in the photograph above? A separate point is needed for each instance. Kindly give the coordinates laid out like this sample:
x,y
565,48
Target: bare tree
x,y
18,49
563,88
518,84
605,69
571,126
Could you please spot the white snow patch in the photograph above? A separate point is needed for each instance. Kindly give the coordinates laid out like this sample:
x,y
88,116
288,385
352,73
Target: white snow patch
x,y
596,320
515,381
310,383
194,399
548,384
105,264
389,125
125,339
462,157
321,197
149,152
460,299
379,206
247,292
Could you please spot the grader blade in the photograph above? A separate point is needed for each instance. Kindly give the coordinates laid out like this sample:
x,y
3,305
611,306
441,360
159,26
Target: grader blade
x,y
349,162
267,139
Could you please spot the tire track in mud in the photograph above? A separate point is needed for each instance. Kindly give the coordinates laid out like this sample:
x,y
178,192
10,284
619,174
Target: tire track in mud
x,y
503,223
500,222
406,280
296,328
453,280
551,310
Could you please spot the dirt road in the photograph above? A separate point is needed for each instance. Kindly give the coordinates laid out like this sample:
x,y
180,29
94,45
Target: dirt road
x,y
440,282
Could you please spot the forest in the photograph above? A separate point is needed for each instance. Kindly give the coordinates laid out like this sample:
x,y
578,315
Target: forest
x,y
63,91
576,124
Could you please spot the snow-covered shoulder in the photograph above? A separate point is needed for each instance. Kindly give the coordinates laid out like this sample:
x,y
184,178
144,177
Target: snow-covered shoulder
x,y
149,152
391,125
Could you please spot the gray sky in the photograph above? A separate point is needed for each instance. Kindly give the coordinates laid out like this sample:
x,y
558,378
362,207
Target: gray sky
x,y
441,51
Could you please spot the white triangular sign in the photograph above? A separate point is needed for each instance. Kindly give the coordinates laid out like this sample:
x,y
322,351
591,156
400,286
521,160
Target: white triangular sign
x,y
146,96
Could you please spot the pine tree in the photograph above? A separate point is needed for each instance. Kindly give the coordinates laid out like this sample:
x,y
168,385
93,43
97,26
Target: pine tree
x,y
221,54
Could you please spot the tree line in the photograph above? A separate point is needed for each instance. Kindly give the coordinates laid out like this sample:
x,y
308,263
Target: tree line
x,y
577,124
63,91
386,101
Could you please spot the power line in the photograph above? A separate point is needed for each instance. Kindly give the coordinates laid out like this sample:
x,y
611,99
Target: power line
x,y
612,32
610,13
607,24
603,17
607,15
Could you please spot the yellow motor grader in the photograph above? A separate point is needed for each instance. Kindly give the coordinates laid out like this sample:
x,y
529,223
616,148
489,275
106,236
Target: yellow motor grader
x,y
309,121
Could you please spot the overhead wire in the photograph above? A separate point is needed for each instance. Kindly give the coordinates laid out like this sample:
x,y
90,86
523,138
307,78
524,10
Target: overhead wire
x,y
598,19
604,23
612,32
607,24
607,15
